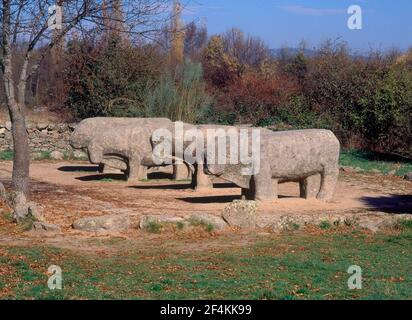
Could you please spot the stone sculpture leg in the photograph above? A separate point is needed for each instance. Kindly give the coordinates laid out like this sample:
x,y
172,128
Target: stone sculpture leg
x,y
200,179
309,188
135,173
110,170
264,185
143,171
329,179
180,172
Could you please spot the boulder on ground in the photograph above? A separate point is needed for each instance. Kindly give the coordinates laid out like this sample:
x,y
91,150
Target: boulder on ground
x,y
44,227
56,155
208,219
241,214
42,126
79,155
103,223
147,222
408,176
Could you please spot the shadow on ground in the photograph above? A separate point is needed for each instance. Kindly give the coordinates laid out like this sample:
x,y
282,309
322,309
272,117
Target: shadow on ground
x,y
100,177
159,176
210,199
397,204
79,169
177,186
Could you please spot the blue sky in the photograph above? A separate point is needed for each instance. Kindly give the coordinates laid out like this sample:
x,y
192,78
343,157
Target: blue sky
x,y
386,23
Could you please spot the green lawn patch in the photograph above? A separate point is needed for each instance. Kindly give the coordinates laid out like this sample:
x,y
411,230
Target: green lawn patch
x,y
294,266
368,162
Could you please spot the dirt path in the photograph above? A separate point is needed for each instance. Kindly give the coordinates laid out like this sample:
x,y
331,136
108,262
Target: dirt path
x,y
71,190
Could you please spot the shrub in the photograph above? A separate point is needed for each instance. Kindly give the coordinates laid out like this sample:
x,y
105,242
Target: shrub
x,y
179,98
109,80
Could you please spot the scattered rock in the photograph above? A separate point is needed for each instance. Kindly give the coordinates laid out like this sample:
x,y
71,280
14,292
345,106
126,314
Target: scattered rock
x,y
147,222
35,211
391,173
103,223
348,169
35,155
408,176
2,130
56,155
45,227
241,214
42,126
368,221
205,218
17,201
78,154
8,125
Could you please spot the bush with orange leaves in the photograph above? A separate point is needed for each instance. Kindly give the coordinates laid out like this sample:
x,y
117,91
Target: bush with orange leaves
x,y
254,97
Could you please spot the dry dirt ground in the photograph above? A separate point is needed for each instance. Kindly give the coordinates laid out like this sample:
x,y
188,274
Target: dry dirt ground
x,y
71,190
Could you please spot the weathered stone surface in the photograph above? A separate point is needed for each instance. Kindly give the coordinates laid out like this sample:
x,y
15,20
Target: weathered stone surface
x,y
36,211
241,214
103,223
56,155
148,220
55,137
45,227
284,156
408,176
17,201
128,139
181,172
8,125
205,218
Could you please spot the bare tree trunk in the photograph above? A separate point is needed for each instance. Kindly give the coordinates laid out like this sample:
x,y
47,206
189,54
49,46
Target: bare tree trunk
x,y
21,160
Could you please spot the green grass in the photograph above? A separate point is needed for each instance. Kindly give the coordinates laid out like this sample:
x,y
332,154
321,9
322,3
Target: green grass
x,y
6,155
294,266
208,227
368,162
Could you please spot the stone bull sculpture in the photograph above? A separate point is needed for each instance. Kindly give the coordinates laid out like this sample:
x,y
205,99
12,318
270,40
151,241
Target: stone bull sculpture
x,y
92,128
129,144
293,156
297,156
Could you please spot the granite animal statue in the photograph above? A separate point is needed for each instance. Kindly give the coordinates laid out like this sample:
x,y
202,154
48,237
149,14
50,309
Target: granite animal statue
x,y
129,144
185,136
88,129
298,156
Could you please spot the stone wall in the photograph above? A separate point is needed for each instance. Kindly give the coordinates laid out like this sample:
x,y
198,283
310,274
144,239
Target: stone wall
x,y
44,137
